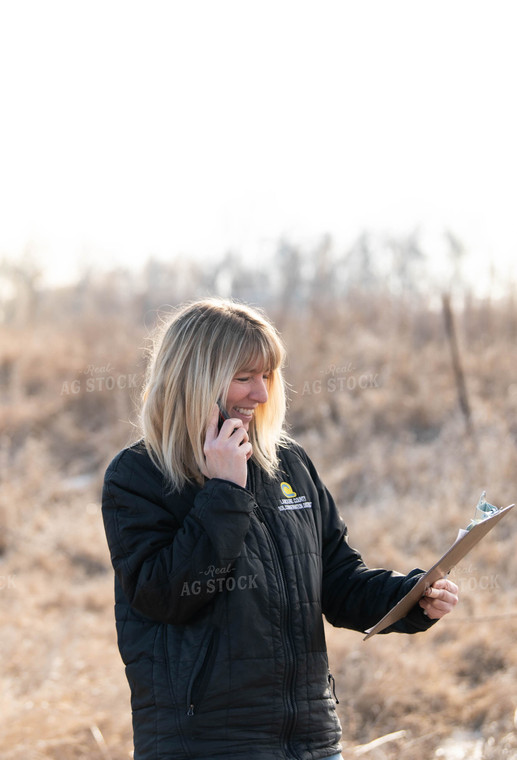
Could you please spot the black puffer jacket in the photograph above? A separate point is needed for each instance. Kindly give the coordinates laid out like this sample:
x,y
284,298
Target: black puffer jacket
x,y
220,593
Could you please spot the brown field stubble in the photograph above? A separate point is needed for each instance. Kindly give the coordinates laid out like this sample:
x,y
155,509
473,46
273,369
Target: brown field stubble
x,y
374,401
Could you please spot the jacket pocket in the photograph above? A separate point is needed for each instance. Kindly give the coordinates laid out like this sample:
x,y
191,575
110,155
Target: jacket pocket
x,y
201,672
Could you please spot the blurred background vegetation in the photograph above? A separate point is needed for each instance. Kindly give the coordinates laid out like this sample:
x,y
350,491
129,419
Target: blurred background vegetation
x,y
403,389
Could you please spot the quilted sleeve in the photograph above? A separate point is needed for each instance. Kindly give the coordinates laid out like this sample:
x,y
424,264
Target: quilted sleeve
x,y
161,546
353,595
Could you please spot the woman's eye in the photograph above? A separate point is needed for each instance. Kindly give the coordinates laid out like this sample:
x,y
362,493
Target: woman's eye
x,y
247,378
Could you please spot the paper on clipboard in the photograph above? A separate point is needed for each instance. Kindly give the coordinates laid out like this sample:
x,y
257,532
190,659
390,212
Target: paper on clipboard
x,y
463,544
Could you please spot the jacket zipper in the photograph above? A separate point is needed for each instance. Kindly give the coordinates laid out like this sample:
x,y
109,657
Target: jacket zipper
x,y
198,681
332,684
286,630
286,616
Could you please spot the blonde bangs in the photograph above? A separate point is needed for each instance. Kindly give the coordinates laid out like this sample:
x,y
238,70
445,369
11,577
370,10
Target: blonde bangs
x,y
258,352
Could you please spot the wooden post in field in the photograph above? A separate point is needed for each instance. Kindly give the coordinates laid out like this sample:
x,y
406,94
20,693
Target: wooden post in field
x,y
456,362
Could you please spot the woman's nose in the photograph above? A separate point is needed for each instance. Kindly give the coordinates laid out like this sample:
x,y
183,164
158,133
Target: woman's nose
x,y
259,391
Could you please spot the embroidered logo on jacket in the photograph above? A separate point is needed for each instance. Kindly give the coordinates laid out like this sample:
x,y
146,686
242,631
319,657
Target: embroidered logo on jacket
x,y
292,501
287,490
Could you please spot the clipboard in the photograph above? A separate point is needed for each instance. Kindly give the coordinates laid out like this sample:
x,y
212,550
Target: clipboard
x,y
465,541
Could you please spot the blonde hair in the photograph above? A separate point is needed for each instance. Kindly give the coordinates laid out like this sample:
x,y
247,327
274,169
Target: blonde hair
x,y
196,354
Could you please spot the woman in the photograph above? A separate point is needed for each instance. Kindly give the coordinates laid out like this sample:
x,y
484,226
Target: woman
x,y
228,550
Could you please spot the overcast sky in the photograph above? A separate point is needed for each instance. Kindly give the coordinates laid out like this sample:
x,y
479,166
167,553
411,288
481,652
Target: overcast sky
x,y
131,129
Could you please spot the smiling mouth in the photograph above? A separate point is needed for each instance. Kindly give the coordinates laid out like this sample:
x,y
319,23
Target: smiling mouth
x,y
244,412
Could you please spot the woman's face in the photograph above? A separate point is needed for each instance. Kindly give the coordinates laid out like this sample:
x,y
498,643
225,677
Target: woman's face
x,y
247,390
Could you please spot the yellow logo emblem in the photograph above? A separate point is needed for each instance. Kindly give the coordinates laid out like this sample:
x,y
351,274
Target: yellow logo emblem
x,y
287,490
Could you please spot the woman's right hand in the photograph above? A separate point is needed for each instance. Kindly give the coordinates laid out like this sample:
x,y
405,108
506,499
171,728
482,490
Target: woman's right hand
x,y
226,450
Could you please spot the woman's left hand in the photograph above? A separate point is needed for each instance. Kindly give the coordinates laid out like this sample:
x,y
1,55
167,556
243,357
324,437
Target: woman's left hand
x,y
439,599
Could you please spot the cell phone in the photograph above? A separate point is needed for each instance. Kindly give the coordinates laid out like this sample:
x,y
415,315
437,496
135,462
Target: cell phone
x,y
223,415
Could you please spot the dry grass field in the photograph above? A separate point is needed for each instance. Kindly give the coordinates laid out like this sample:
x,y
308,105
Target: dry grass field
x,y
374,400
